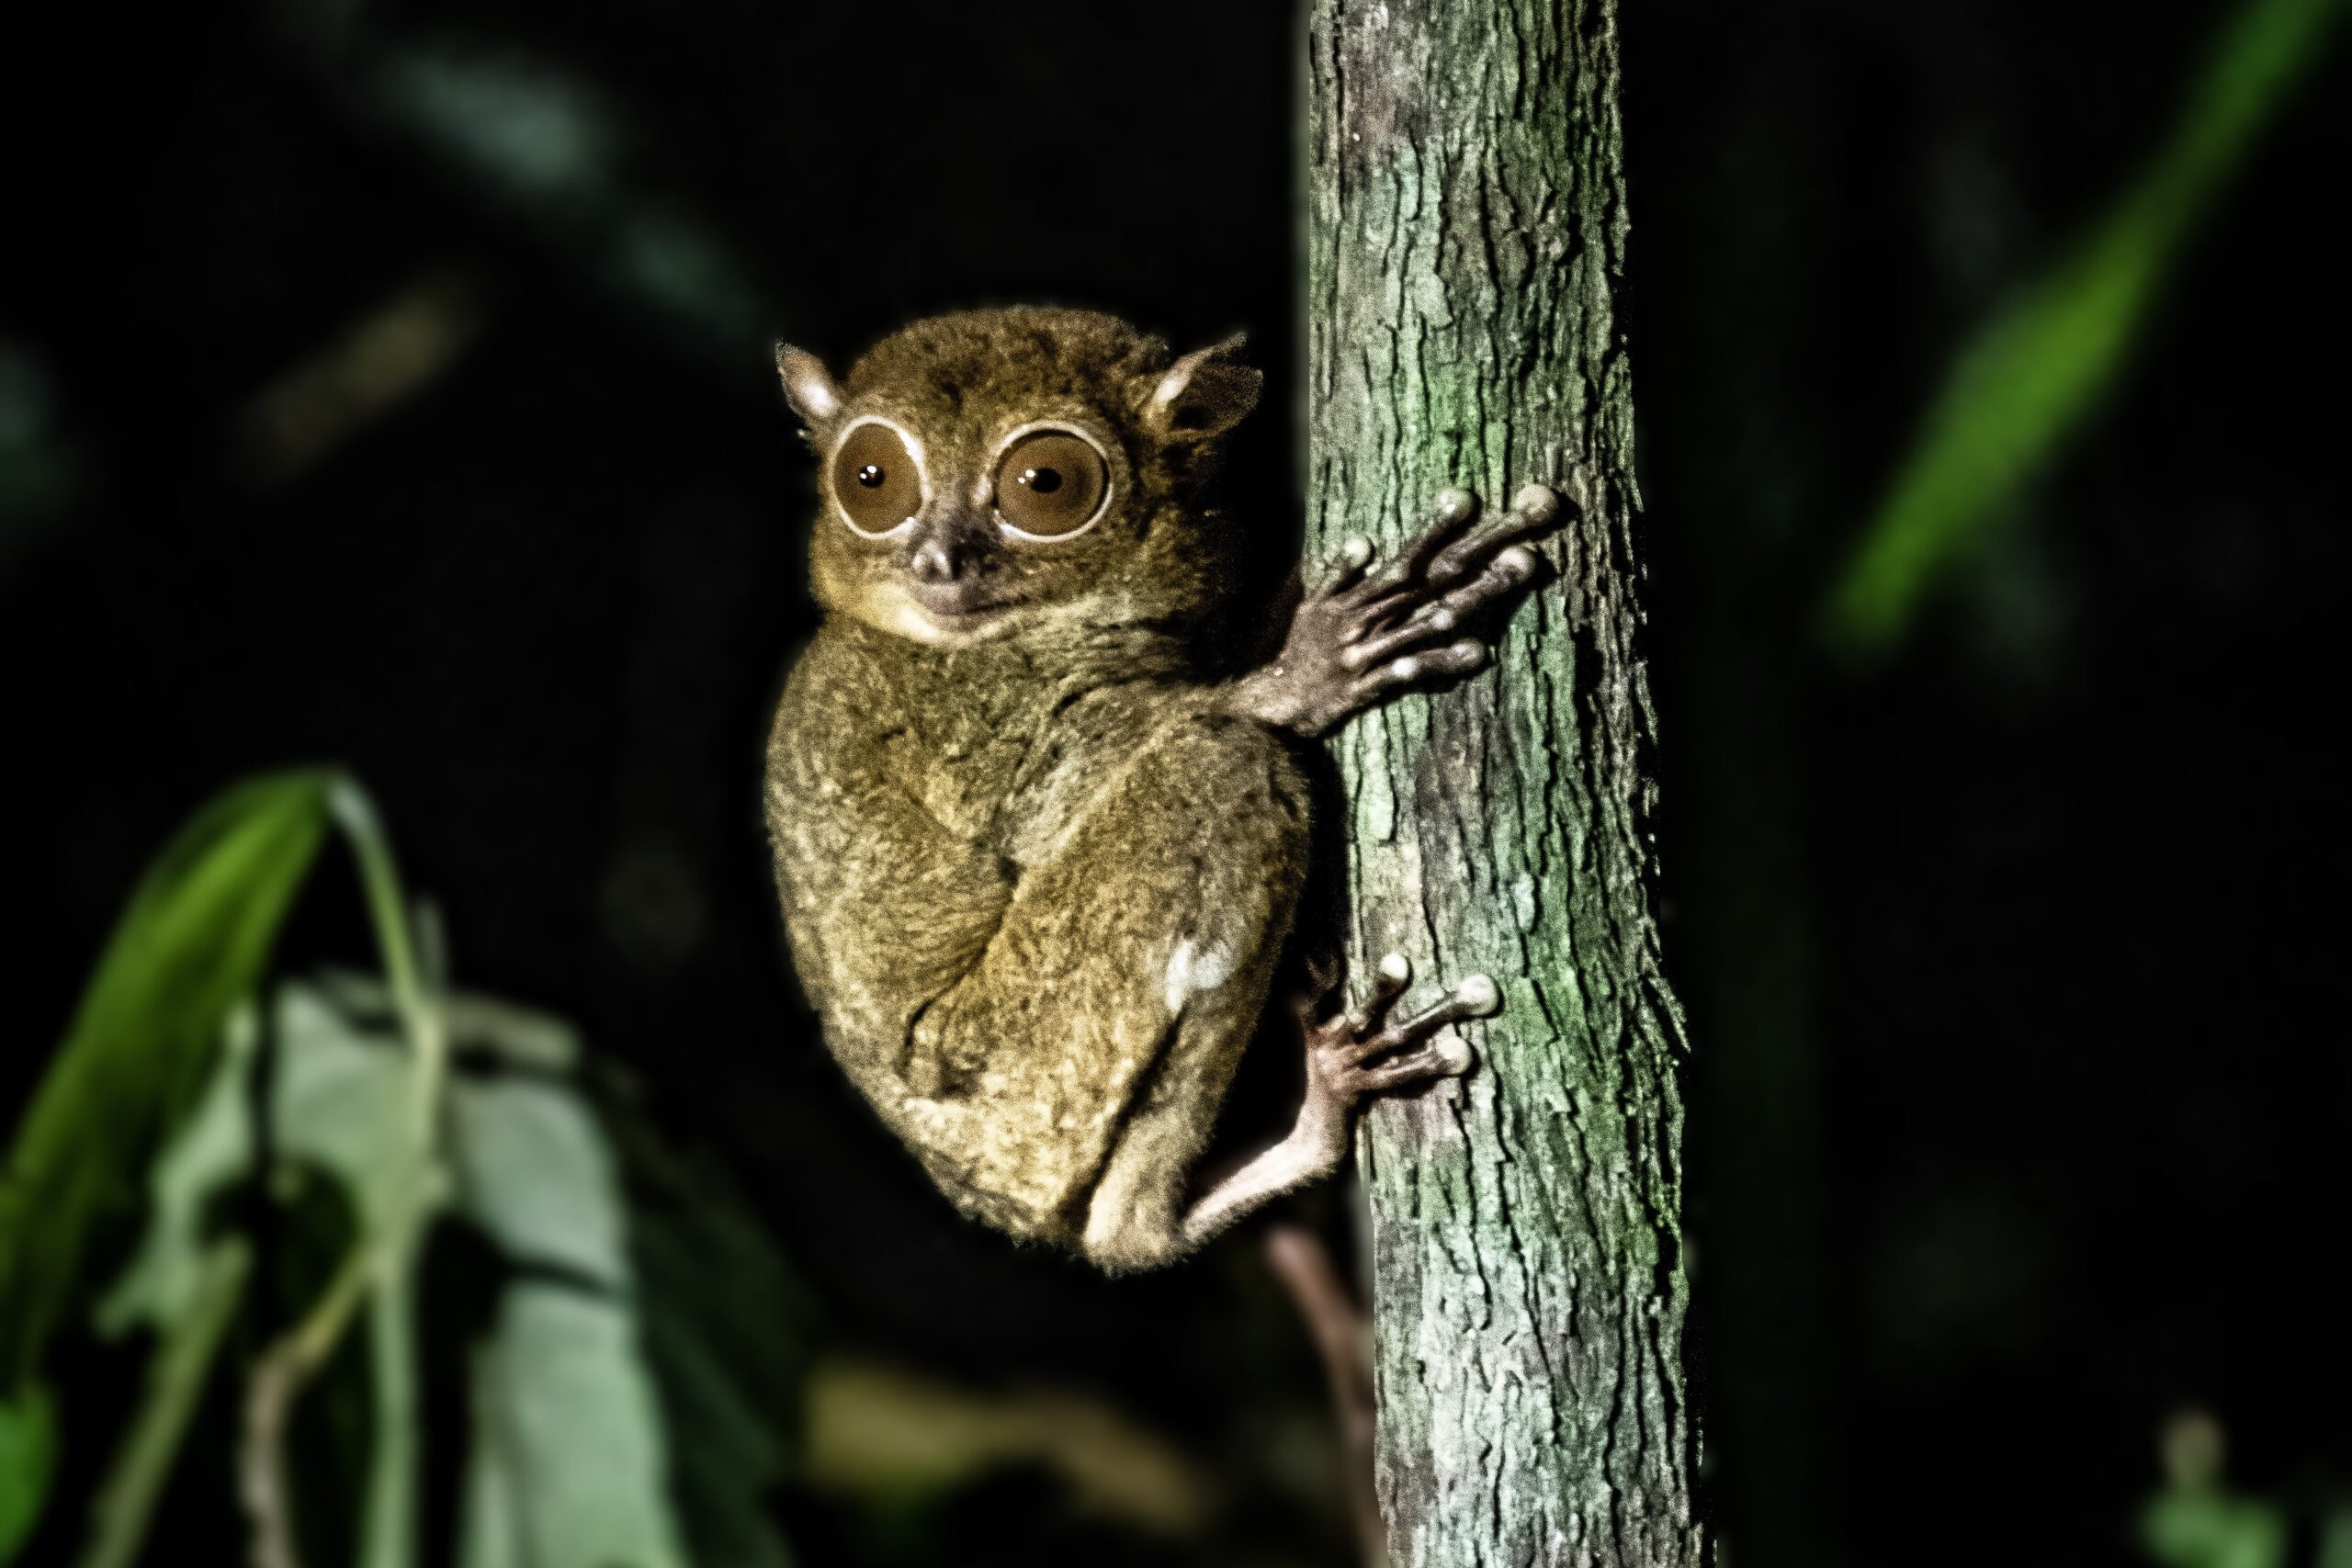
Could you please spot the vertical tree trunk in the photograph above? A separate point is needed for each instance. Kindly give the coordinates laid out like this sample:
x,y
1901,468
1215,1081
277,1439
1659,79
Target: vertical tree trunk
x,y
1467,230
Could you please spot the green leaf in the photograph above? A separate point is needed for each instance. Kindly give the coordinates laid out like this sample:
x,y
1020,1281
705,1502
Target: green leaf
x,y
191,946
2040,367
27,1455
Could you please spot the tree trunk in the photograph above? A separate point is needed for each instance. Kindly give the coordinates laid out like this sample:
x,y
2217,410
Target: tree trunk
x,y
1467,230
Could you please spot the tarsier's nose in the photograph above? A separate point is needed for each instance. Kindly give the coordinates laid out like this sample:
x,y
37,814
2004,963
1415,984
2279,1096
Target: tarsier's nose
x,y
939,559
947,550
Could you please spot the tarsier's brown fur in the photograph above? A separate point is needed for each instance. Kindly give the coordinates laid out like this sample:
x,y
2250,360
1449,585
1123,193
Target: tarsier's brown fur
x,y
1037,866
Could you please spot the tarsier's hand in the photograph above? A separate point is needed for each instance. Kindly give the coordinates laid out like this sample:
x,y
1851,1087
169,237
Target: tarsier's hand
x,y
1360,1051
1363,636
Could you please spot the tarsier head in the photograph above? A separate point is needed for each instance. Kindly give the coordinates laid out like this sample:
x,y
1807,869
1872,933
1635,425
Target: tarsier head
x,y
1001,472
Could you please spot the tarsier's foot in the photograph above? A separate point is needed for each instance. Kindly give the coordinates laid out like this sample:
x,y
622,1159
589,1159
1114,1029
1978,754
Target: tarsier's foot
x,y
1363,636
1353,1054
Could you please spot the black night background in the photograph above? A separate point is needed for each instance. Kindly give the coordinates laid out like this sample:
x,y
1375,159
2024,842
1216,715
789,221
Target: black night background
x,y
389,387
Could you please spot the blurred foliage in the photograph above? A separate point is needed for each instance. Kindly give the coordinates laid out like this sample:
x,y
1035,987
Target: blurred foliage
x,y
726,1330
173,1079
384,358
190,948
2198,1521
545,144
28,1454
567,1464
903,1440
2212,1529
2038,367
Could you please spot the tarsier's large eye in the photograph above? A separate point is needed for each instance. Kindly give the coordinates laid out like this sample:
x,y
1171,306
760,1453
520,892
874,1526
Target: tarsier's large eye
x,y
876,479
1049,485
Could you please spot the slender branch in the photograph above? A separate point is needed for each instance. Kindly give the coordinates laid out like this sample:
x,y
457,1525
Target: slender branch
x,y
1342,1337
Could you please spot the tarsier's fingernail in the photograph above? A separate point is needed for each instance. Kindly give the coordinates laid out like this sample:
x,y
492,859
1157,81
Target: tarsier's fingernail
x,y
1454,1055
1396,967
1480,992
1537,503
1454,505
1356,551
1516,564
1468,651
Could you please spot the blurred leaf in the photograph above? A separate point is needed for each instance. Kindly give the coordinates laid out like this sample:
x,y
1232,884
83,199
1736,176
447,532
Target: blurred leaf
x,y
548,143
569,1459
2040,367
28,1454
893,1435
570,1463
332,1109
2194,1528
532,130
191,946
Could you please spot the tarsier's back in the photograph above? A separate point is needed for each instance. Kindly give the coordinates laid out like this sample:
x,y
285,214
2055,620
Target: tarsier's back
x,y
1038,867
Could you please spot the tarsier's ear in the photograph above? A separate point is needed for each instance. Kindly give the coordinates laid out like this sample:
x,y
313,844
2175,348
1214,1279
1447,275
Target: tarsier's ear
x,y
808,385
1203,394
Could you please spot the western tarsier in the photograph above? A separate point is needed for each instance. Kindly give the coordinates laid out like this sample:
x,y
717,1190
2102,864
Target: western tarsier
x,y
1038,856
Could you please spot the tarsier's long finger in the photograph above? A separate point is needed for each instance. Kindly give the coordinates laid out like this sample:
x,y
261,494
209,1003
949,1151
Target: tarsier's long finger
x,y
1513,567
1476,996
1445,1058
1505,574
1533,509
1437,663
1452,511
1388,983
1347,565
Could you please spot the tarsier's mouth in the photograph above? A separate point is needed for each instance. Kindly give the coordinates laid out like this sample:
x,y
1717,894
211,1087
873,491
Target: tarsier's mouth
x,y
958,602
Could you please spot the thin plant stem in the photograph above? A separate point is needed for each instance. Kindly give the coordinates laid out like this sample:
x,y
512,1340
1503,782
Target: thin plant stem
x,y
176,1376
374,1270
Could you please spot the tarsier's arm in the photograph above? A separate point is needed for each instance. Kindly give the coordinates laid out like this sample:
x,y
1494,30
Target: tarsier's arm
x,y
1355,641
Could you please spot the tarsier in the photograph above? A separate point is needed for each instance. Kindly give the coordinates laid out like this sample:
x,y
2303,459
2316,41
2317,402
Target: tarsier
x,y
1038,855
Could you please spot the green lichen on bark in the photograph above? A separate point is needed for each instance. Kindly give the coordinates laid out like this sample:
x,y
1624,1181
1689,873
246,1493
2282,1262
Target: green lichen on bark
x,y
1467,230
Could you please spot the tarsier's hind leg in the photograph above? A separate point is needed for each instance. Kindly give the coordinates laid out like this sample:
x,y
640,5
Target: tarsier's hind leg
x,y
1097,1031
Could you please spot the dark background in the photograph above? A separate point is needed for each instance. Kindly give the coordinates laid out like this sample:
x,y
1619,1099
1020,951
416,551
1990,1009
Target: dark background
x,y
2011,960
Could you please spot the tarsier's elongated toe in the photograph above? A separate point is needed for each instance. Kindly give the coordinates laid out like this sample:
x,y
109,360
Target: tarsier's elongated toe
x,y
1363,1051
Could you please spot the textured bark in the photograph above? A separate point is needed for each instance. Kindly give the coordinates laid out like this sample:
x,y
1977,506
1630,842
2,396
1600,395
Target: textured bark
x,y
1466,230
